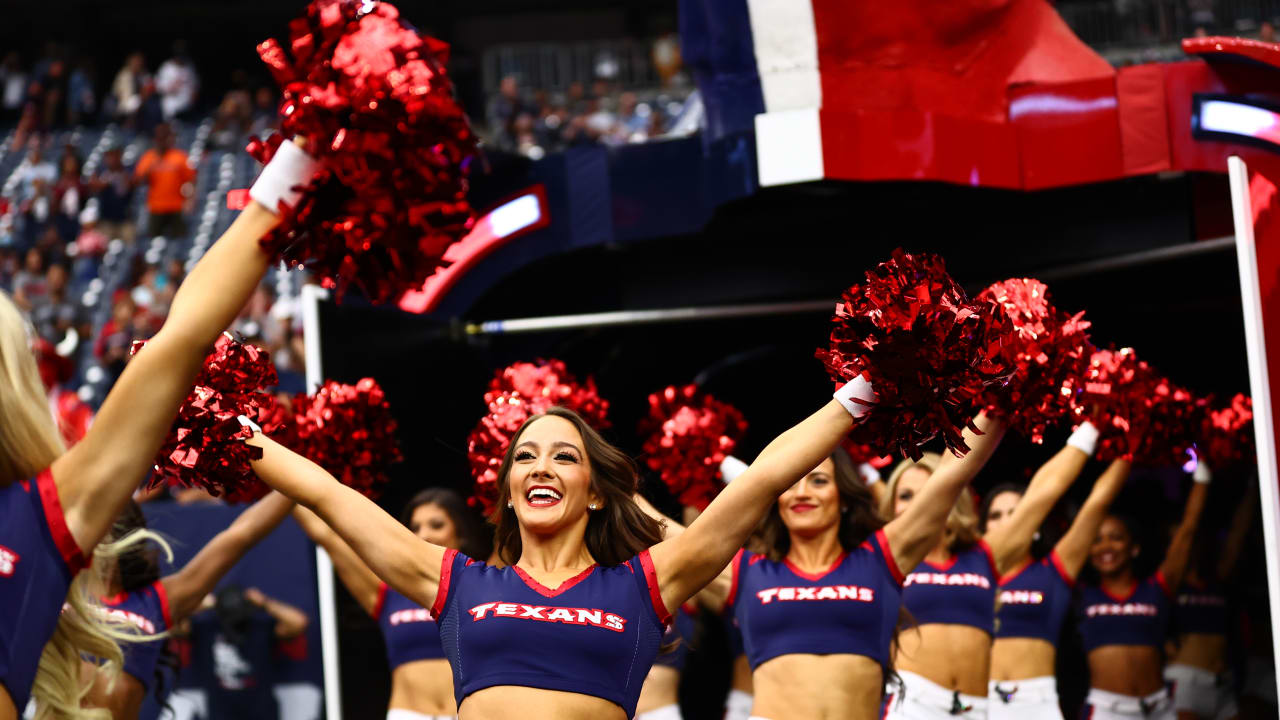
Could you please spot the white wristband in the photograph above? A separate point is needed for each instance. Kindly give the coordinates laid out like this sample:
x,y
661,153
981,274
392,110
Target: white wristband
x,y
731,467
282,179
870,475
1085,438
1202,474
860,389
246,422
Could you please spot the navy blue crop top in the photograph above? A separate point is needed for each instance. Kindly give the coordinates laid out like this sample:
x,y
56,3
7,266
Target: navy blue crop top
x,y
407,629
148,610
1034,600
596,634
962,592
851,609
1139,618
680,632
1200,609
38,559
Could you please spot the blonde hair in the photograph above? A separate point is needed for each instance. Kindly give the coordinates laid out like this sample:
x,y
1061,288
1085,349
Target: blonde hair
x,y
29,443
962,523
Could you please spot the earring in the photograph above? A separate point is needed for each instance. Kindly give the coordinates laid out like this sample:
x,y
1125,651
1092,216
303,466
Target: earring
x,y
592,506
509,505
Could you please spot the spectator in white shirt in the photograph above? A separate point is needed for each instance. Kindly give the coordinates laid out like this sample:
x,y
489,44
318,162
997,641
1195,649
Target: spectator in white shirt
x,y
177,83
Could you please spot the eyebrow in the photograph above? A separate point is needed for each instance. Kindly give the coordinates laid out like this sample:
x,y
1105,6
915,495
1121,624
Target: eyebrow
x,y
556,444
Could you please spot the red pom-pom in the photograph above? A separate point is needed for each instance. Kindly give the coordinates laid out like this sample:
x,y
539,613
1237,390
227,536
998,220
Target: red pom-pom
x,y
867,453
206,446
1115,393
1174,425
1046,348
373,99
927,350
1226,432
515,394
688,434
348,430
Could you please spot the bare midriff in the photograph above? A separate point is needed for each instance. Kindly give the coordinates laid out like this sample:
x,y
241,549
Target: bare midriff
x,y
526,703
742,674
1202,650
953,656
661,688
424,687
817,687
7,711
1133,670
1021,658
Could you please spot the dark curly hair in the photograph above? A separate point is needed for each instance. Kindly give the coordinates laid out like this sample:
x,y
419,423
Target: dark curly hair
x,y
136,568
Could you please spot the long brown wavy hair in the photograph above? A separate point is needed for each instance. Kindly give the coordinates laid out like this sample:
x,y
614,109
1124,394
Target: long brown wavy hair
x,y
616,532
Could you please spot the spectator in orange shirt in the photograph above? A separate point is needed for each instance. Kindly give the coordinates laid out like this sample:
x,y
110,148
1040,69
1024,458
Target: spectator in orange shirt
x,y
169,179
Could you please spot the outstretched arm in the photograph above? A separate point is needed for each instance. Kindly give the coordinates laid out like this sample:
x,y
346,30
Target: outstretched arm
x,y
359,579
187,587
1073,548
1011,543
919,529
1241,523
1179,554
687,562
403,560
290,621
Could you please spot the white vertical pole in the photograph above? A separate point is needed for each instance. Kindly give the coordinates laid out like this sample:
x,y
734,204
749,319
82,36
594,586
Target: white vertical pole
x,y
1259,382
311,297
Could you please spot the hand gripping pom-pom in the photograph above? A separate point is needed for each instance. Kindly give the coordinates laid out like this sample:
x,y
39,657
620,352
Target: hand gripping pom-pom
x,y
928,351
1115,393
688,434
1226,432
1046,348
376,105
348,430
515,394
206,446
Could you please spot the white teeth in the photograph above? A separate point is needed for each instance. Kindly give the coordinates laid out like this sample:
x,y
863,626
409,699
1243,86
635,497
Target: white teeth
x,y
541,493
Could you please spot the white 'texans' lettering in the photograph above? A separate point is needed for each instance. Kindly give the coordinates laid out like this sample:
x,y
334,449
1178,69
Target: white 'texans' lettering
x,y
827,592
543,613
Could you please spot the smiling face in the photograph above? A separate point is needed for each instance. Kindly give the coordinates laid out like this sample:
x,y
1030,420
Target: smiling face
x,y
431,523
550,477
812,505
909,486
1001,509
1113,549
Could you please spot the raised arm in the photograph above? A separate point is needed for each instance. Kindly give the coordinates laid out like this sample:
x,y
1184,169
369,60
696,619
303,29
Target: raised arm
x,y
403,560
1179,554
687,562
1241,523
1011,543
290,621
919,529
359,579
188,587
1073,548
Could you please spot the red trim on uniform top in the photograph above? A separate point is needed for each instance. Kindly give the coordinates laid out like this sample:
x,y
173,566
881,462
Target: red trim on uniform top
x,y
1056,561
689,607
991,557
1009,576
814,577
545,591
442,592
1088,712
163,595
380,602
886,551
26,486
888,703
734,572
115,599
944,566
1120,598
1164,584
71,553
651,578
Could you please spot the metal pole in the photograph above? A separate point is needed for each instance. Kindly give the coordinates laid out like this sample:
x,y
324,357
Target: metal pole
x,y
311,297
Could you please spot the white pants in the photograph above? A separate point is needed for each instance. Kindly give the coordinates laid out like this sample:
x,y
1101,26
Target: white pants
x,y
666,712
402,714
923,699
1103,705
186,704
1030,699
737,706
1209,696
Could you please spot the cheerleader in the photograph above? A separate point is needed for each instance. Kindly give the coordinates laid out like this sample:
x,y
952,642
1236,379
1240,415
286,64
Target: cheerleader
x,y
56,505
421,681
570,627
136,593
1035,595
1201,683
1123,619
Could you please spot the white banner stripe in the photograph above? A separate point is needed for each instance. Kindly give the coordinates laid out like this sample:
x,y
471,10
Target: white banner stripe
x,y
786,46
